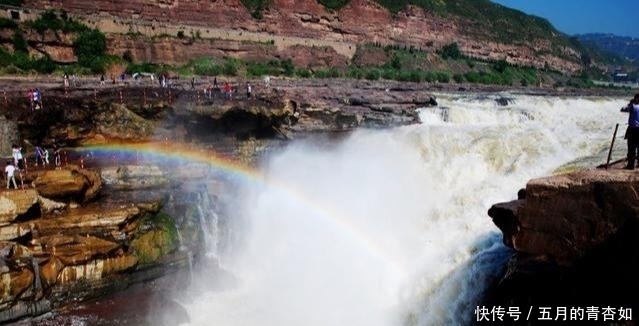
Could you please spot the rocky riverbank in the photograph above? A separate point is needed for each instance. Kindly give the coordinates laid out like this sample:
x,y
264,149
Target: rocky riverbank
x,y
575,242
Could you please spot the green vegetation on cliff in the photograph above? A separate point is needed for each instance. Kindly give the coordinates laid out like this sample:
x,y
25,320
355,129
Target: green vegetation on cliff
x,y
15,3
160,239
333,4
49,20
256,7
89,46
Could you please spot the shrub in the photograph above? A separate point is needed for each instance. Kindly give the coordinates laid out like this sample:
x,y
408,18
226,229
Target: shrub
x,y
328,73
334,4
19,43
48,20
256,7
88,46
15,3
229,69
127,56
442,77
7,23
373,74
180,34
303,73
500,66
451,51
389,74
44,65
5,58
396,62
287,67
355,73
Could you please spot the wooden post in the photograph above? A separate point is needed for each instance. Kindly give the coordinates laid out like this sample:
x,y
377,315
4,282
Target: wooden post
x,y
612,143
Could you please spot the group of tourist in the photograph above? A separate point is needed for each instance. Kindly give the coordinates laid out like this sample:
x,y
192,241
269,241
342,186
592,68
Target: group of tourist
x,y
35,98
18,163
227,89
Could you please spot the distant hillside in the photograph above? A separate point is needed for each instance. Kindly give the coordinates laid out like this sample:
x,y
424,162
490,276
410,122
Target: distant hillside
x,y
623,46
461,40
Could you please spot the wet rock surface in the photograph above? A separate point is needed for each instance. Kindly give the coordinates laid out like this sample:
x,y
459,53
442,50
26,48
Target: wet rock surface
x,y
575,241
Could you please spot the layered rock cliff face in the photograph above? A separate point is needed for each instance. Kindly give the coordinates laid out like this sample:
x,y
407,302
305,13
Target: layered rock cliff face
x,y
143,111
575,242
60,243
291,29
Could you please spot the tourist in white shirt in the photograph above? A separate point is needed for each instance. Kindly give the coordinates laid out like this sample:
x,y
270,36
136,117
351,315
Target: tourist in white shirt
x,y
10,172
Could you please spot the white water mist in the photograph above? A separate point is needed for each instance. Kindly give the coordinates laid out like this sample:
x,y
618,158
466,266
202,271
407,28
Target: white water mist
x,y
390,227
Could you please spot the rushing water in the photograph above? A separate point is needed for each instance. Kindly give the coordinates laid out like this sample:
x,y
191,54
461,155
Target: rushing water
x,y
390,227
384,227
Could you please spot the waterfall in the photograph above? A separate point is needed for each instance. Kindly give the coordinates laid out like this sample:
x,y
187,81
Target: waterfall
x,y
389,227
209,220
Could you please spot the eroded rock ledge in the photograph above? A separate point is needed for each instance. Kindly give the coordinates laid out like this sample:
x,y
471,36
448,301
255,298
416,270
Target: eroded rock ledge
x,y
576,243
72,234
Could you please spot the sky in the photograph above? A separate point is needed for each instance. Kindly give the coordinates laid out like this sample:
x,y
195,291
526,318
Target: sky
x,y
619,17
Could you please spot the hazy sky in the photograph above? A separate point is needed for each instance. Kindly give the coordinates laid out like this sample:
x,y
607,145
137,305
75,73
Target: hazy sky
x,y
620,17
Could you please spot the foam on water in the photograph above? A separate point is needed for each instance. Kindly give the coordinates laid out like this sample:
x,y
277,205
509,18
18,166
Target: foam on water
x,y
389,227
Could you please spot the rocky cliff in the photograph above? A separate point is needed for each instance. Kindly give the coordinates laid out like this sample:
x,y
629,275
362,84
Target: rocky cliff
x,y
575,242
59,243
100,222
295,30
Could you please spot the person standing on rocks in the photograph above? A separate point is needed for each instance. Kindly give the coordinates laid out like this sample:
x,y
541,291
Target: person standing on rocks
x,y
45,155
632,132
38,155
10,170
248,90
17,156
227,90
57,157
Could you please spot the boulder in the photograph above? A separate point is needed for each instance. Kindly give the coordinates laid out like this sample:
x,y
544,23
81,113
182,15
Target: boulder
x,y
568,215
575,240
68,182
14,203
13,284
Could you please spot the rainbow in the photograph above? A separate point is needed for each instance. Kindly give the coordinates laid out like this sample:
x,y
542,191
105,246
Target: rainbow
x,y
178,152
186,152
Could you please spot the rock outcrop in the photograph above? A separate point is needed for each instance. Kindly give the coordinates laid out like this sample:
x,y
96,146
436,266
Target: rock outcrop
x,y
142,112
575,241
103,231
